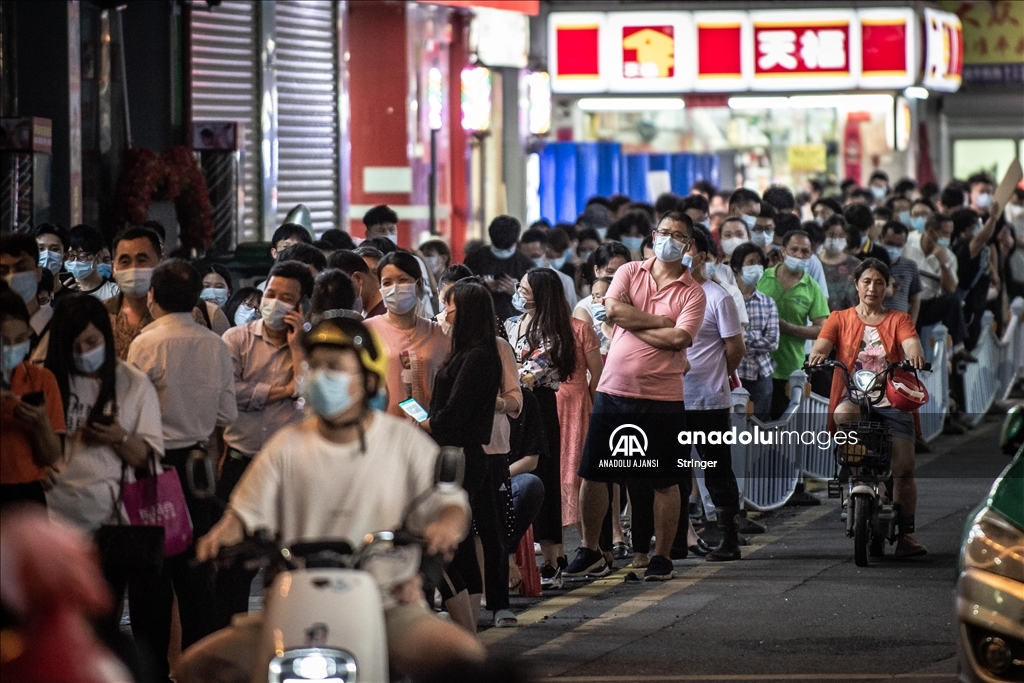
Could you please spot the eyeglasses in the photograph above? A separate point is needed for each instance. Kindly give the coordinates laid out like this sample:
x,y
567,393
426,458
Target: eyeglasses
x,y
677,236
80,255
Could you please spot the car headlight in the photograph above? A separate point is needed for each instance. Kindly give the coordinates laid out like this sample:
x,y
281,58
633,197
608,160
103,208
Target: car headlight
x,y
864,380
313,664
994,545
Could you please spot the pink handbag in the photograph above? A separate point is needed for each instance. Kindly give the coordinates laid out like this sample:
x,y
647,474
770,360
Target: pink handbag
x,y
158,500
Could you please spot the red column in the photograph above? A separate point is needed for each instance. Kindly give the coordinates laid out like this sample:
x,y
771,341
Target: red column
x,y
458,57
378,94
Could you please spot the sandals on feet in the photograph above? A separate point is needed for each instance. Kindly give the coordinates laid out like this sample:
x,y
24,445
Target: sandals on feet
x,y
505,619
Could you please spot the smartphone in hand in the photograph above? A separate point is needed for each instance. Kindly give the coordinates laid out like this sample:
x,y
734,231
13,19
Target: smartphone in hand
x,y
413,409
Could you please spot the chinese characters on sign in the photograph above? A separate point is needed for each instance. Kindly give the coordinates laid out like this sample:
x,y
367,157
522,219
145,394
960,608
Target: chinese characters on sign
x,y
819,50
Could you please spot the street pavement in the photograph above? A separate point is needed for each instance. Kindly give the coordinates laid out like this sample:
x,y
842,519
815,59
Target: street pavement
x,y
795,608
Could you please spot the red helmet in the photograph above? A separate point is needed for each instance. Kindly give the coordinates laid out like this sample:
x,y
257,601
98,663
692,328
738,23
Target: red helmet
x,y
905,391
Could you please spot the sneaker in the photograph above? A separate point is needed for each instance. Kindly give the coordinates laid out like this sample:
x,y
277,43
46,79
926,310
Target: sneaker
x,y
605,570
660,569
907,546
585,562
620,551
550,577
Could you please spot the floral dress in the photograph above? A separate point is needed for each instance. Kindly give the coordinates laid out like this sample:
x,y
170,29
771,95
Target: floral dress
x,y
871,356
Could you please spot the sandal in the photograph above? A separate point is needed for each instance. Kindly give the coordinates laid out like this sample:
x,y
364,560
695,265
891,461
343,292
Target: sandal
x,y
515,577
640,561
620,551
505,619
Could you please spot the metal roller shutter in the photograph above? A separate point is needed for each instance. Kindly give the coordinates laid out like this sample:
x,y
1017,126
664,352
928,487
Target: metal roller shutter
x,y
307,114
226,86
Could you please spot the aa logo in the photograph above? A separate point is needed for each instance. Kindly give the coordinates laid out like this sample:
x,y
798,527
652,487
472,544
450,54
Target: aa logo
x,y
628,440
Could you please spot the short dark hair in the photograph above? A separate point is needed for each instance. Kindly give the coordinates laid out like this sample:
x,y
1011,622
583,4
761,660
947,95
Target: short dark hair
x,y
767,211
534,236
11,305
382,244
643,207
294,270
176,286
742,251
859,217
339,239
597,199
704,187
364,251
558,239
695,201
936,220
453,274
382,213
780,198
829,202
952,197
45,281
19,244
306,253
701,240
679,217
978,178
87,238
666,203
603,255
879,175
794,234
785,221
863,194
219,269
847,183
504,231
872,264
963,219
640,220
402,260
58,231
617,201
332,290
885,212
742,196
348,261
138,234
894,227
904,185
157,227
291,231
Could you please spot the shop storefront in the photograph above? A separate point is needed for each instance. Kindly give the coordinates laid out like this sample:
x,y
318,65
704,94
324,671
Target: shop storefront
x,y
777,96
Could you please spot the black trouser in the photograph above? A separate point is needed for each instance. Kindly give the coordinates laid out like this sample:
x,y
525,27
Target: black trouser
x,y
779,398
945,309
548,525
641,512
14,494
151,597
233,584
720,479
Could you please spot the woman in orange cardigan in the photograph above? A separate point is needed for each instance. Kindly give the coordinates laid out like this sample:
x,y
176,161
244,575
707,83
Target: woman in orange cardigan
x,y
868,336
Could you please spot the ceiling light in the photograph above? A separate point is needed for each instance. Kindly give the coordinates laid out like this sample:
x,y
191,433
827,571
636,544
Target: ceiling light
x,y
759,103
916,92
631,104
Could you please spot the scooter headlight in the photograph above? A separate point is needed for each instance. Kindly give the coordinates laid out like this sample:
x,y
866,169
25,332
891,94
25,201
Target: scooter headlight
x,y
313,664
864,380
994,545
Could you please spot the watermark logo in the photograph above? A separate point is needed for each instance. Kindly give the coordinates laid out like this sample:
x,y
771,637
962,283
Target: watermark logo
x,y
628,440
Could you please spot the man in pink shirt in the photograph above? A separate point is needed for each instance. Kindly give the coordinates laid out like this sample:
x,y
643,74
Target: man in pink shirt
x,y
657,309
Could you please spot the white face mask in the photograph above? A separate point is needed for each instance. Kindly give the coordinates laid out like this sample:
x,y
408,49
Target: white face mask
x,y
751,274
834,245
328,392
667,249
134,282
274,312
23,284
400,298
983,200
762,239
91,361
435,264
245,314
215,294
729,244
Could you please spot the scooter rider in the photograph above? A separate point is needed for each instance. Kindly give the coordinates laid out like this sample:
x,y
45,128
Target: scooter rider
x,y
347,471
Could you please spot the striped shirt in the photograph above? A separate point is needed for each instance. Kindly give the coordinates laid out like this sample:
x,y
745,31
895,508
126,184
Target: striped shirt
x,y
760,338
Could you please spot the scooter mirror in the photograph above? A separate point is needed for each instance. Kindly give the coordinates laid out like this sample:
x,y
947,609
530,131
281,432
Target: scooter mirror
x,y
450,467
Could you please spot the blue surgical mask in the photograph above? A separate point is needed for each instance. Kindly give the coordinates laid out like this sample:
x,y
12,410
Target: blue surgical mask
x,y
245,314
557,263
105,269
599,313
274,312
602,232
752,274
904,218
943,241
894,253
51,260
400,298
667,249
520,303
834,245
80,269
13,355
797,264
503,254
687,260
215,294
91,361
762,239
878,192
328,392
633,243
393,238
983,200
709,270
540,262
917,223
23,284
750,221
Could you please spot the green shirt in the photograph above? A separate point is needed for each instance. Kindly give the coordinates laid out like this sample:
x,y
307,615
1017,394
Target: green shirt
x,y
797,305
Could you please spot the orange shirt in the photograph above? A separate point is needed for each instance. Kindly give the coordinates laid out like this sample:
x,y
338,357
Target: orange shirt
x,y
17,465
845,330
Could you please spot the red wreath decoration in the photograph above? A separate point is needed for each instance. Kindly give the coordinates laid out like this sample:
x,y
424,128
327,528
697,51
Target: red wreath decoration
x,y
174,175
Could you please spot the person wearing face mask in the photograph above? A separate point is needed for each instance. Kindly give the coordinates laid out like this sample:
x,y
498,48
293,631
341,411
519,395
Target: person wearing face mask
x,y
418,346
761,335
1014,214
193,373
920,211
980,187
534,244
437,256
447,280
747,205
657,309
732,233
19,258
501,265
630,230
83,261
381,466
800,301
605,260
113,422
976,261
333,296
29,429
136,253
905,296
381,221
216,285
267,359
838,264
558,250
244,306
878,185
54,242
364,280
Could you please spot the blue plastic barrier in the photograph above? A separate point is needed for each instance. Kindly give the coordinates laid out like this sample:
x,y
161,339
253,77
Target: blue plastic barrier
x,y
565,189
588,171
638,165
608,168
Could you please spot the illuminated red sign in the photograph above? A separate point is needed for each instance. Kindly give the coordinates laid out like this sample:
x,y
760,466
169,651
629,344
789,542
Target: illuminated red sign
x,y
818,49
648,52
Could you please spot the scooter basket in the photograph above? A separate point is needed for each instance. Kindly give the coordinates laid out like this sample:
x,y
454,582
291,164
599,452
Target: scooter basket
x,y
873,447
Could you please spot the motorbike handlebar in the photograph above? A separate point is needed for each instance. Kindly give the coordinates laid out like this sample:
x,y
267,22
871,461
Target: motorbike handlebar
x,y
901,365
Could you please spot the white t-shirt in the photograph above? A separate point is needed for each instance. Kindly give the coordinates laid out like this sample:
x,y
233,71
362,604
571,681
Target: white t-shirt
x,y
90,477
737,298
707,382
304,487
928,266
583,306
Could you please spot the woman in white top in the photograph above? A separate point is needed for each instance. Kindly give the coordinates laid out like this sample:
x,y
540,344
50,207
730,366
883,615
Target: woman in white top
x,y
605,260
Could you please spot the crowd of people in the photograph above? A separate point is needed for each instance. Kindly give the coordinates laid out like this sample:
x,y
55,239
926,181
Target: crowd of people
x,y
303,387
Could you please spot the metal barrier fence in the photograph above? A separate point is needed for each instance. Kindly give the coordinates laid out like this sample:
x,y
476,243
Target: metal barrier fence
x,y
933,414
1000,363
